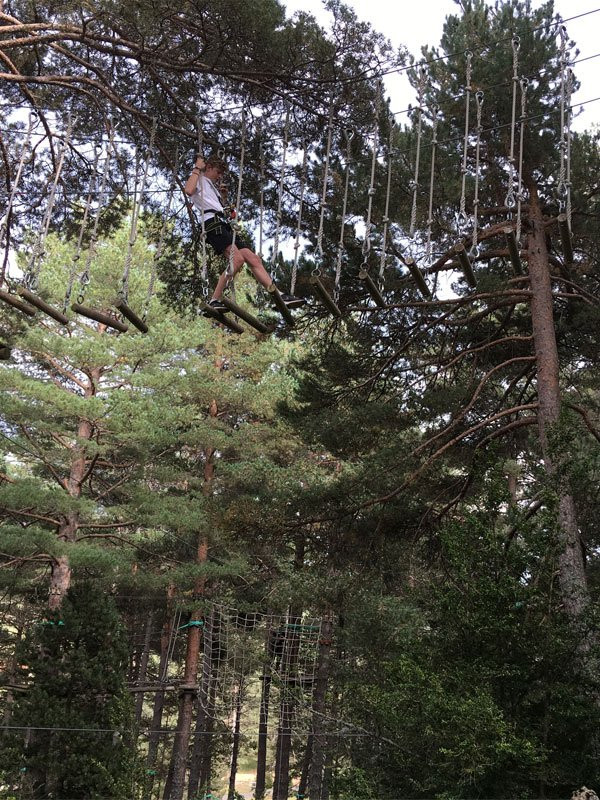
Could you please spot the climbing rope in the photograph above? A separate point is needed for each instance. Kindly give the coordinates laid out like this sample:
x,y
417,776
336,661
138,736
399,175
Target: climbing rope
x,y
474,252
348,134
235,225
422,82
366,248
161,238
261,179
84,278
138,198
299,221
462,214
510,201
323,203
280,190
83,226
566,89
32,272
4,222
204,259
386,211
524,82
434,142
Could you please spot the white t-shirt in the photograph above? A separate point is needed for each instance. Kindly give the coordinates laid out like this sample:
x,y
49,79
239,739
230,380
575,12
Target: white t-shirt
x,y
207,197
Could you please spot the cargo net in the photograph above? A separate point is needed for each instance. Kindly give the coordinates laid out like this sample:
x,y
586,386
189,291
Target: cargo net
x,y
249,658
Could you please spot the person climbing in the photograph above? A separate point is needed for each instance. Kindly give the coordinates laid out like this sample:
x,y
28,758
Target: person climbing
x,y
204,188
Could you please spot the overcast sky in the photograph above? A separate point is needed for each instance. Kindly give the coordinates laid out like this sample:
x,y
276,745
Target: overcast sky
x,y
423,23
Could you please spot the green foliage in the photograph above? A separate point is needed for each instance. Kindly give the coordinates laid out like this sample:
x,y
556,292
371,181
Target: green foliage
x,y
72,729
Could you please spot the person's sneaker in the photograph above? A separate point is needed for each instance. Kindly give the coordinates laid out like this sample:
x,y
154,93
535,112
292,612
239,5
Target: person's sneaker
x,y
293,302
217,305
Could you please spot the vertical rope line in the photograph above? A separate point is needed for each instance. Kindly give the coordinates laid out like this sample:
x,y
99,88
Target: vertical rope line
x,y
261,212
161,238
475,247
84,278
325,181
371,191
434,141
563,80
340,249
4,222
239,190
35,262
83,226
415,182
524,85
510,195
138,198
463,191
280,192
299,222
203,258
569,137
386,218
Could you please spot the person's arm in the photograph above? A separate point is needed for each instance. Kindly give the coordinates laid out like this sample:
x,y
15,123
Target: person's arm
x,y
192,181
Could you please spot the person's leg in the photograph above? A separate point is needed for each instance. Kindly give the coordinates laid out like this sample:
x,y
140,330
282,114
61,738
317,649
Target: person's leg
x,y
256,266
225,277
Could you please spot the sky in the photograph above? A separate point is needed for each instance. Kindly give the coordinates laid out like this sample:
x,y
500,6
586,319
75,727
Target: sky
x,y
399,21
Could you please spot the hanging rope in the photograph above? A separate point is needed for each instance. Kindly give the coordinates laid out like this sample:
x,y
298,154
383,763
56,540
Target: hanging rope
x,y
415,182
138,198
323,204
299,222
261,178
524,84
371,191
434,141
462,215
32,272
204,259
280,191
474,251
566,89
510,201
83,226
84,278
348,134
239,191
161,238
5,221
386,212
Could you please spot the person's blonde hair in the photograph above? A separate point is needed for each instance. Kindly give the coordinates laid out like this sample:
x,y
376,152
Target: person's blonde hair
x,y
217,162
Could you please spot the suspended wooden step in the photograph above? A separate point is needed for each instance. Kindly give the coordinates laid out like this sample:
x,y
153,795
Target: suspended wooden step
x,y
5,352
372,288
218,316
13,301
418,278
36,301
130,314
245,315
565,238
281,306
465,264
513,250
100,316
323,295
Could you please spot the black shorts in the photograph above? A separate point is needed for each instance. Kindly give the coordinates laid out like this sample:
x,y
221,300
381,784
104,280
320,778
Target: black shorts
x,y
222,236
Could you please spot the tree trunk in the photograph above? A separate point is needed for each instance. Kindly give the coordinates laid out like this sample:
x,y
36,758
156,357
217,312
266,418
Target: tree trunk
x,y
306,761
289,685
572,578
143,668
235,747
159,697
263,720
319,742
187,694
60,576
204,712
